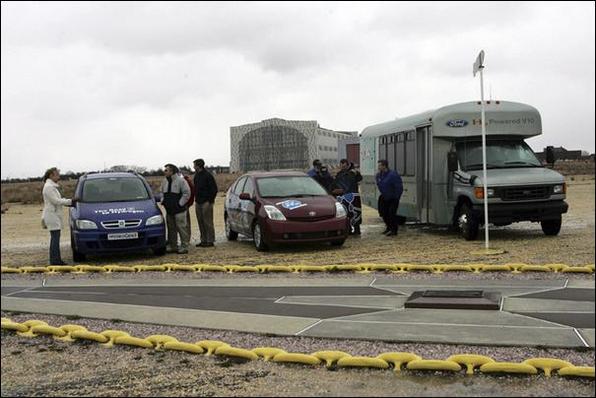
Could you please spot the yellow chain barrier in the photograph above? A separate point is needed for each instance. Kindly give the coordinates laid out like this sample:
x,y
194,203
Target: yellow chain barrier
x,y
360,268
395,360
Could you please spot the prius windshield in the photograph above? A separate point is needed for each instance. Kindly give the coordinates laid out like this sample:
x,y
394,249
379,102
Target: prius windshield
x,y
114,189
290,186
500,154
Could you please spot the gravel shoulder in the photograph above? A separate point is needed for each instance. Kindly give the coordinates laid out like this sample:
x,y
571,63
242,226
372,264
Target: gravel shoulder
x,y
43,366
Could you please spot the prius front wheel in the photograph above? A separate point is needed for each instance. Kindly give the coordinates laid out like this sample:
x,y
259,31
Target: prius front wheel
x,y
257,233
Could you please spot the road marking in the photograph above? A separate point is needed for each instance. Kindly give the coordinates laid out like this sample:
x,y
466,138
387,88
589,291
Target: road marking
x,y
68,292
581,338
19,291
308,327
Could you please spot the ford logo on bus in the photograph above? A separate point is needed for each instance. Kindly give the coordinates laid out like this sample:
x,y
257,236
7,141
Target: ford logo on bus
x,y
457,123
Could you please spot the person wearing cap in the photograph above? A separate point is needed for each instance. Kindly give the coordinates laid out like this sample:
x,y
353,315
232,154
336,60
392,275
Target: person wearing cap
x,y
51,217
176,194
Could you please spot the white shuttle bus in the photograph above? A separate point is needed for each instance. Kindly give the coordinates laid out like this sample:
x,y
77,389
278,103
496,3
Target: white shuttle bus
x,y
439,156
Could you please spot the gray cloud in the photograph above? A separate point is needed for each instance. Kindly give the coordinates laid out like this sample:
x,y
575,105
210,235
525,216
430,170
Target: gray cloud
x,y
146,83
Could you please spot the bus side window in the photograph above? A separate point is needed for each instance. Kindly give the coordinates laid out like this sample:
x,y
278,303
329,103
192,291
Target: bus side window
x,y
400,154
410,153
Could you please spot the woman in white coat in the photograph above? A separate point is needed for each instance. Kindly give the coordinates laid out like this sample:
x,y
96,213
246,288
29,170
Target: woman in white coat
x,y
51,217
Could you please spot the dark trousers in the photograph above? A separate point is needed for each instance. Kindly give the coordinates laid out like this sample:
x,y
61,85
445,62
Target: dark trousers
x,y
55,257
388,210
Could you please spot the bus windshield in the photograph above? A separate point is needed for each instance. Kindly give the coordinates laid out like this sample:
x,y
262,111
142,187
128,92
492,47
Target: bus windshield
x,y
500,154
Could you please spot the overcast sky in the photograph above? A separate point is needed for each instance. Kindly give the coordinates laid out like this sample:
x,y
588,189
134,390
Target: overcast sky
x,y
91,84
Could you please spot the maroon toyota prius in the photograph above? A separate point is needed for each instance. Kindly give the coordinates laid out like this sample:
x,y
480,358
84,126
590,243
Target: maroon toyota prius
x,y
283,207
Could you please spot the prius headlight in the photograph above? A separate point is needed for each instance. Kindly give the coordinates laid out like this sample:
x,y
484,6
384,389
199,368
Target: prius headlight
x,y
274,213
86,224
340,210
155,220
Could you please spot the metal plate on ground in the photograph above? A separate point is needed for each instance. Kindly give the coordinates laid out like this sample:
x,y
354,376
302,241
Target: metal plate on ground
x,y
454,299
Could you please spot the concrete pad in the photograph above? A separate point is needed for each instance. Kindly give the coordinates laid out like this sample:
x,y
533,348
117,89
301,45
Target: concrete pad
x,y
572,319
588,335
581,283
571,294
486,335
349,301
541,305
257,323
439,318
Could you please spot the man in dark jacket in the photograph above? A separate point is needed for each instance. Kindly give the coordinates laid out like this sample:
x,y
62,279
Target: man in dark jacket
x,y
390,184
205,193
345,187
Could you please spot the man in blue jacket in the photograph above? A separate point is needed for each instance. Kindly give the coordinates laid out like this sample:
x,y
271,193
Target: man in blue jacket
x,y
390,184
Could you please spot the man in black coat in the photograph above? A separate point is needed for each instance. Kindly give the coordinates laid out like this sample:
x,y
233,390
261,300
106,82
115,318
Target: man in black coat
x,y
205,193
345,187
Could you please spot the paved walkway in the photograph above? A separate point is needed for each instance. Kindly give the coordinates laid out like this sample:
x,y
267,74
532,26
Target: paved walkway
x,y
557,313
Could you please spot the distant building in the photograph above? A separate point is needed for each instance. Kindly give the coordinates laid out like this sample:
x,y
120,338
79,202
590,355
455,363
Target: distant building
x,y
218,169
563,154
283,144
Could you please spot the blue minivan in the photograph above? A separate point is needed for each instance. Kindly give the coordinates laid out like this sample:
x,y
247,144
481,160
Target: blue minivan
x,y
115,213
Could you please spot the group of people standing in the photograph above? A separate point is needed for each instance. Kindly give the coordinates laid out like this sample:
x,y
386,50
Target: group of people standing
x,y
179,193
345,188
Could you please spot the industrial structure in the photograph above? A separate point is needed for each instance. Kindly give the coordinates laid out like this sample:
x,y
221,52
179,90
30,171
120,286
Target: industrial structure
x,y
283,144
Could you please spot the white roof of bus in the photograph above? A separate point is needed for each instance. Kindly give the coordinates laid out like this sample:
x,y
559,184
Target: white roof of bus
x,y
463,119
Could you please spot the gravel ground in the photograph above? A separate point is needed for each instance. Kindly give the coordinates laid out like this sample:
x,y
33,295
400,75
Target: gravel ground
x,y
25,243
43,366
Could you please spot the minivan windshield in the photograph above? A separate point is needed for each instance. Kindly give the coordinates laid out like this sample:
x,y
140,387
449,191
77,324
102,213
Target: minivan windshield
x,y
500,154
290,186
114,189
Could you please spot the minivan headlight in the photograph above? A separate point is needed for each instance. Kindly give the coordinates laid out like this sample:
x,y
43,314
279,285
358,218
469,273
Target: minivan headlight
x,y
559,188
340,210
86,224
155,220
274,213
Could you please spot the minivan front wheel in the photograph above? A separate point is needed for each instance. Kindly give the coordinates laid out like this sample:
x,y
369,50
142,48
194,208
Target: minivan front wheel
x,y
468,224
76,255
551,227
257,233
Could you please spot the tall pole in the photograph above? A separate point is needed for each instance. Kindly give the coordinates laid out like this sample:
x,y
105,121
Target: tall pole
x,y
484,182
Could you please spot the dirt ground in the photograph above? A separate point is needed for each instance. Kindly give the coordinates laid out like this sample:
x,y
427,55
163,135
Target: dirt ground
x,y
24,242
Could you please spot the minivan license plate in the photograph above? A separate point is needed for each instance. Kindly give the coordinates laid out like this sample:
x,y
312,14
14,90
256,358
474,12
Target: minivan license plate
x,y
127,235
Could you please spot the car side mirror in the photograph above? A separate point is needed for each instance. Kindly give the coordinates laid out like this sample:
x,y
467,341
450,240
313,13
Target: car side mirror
x,y
550,155
452,164
245,196
158,197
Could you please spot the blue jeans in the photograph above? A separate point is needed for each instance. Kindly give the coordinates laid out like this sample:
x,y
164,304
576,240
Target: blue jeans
x,y
55,257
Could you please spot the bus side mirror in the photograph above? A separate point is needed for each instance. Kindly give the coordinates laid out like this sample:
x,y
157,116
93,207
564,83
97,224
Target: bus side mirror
x,y
452,164
550,155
